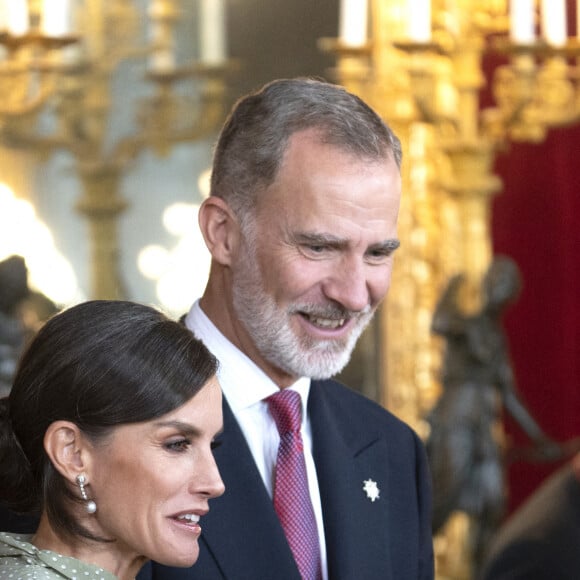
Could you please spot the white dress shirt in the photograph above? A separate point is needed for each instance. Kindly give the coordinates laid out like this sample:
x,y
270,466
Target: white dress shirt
x,y
245,387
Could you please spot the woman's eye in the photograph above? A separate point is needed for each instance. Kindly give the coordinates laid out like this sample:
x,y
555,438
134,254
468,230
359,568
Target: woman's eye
x,y
180,445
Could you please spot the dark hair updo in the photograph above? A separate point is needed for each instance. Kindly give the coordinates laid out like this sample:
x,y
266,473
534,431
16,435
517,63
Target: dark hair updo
x,y
99,364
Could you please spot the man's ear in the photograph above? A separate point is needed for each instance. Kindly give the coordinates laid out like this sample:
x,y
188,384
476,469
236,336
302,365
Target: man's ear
x,y
220,229
67,449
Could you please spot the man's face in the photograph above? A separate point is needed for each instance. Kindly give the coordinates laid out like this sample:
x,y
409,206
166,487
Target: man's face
x,y
317,261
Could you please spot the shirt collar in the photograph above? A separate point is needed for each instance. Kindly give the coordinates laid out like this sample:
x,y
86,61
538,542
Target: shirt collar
x,y
244,384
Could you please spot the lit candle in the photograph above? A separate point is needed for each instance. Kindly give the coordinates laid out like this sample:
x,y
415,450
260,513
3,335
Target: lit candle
x,y
554,22
17,17
419,20
352,27
57,17
212,31
522,26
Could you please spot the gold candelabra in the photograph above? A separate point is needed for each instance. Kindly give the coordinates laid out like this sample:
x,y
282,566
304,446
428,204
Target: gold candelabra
x,y
58,63
423,67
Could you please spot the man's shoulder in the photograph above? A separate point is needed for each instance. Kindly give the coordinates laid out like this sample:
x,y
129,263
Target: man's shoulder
x,y
355,407
528,559
553,506
542,534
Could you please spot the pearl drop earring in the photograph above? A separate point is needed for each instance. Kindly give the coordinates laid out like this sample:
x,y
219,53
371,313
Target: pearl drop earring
x,y
90,506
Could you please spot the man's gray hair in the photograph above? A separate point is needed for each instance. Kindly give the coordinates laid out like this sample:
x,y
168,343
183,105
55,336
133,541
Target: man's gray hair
x,y
255,136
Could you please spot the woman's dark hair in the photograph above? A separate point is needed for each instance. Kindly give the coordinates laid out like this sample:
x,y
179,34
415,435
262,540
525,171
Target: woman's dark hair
x,y
99,364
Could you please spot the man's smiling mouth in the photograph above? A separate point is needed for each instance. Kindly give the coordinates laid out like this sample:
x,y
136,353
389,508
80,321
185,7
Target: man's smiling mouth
x,y
326,323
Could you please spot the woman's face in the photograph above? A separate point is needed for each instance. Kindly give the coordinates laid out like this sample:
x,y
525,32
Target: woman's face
x,y
152,481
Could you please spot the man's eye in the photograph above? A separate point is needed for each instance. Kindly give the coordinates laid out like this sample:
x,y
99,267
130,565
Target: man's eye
x,y
216,443
315,249
379,255
180,445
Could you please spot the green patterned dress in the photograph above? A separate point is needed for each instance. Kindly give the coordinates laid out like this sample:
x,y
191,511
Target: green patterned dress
x,y
20,560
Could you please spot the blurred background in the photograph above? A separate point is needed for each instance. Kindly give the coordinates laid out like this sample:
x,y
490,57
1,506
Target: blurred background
x,y
110,110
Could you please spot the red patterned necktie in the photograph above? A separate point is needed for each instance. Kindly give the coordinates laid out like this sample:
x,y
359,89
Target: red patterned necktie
x,y
291,496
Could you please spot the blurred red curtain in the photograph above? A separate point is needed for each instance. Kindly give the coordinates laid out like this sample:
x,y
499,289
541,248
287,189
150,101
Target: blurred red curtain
x,y
536,221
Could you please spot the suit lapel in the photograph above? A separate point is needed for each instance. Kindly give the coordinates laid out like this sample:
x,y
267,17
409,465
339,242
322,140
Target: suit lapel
x,y
346,455
257,547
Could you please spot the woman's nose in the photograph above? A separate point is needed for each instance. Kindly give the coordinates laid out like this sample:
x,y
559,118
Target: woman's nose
x,y
208,479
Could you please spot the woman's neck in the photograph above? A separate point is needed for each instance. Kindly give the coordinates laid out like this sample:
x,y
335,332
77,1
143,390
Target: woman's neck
x,y
104,555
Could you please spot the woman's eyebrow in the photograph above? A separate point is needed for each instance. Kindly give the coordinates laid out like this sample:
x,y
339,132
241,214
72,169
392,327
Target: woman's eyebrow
x,y
182,426
185,428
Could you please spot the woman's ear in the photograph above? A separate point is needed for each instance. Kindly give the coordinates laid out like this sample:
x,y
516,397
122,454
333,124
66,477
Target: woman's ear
x,y
220,229
67,449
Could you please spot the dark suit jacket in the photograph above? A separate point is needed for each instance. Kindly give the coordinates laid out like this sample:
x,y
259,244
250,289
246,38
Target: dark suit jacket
x,y
541,541
354,440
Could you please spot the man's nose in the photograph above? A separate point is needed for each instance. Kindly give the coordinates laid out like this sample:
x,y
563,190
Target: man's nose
x,y
348,285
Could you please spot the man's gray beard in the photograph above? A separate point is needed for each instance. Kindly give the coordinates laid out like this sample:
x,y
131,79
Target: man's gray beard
x,y
269,328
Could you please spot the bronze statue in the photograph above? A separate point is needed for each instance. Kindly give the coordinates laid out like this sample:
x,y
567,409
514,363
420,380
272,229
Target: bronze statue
x,y
22,311
464,447
13,289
